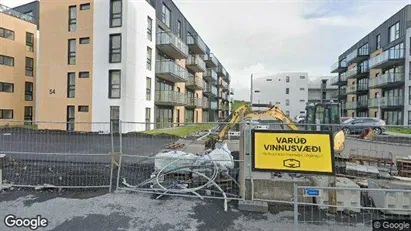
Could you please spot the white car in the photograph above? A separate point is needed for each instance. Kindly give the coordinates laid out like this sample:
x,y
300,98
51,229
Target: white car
x,y
299,119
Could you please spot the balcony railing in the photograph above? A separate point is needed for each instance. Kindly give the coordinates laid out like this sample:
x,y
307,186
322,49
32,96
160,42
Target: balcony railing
x,y
195,63
360,70
351,89
222,71
194,83
210,60
334,80
196,44
7,10
362,87
351,73
210,75
171,45
351,105
206,104
170,97
339,66
213,106
190,101
171,71
387,58
391,101
362,104
387,79
334,94
358,55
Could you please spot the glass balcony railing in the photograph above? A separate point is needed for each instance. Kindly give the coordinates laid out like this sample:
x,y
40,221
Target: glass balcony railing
x,y
387,56
195,82
363,103
210,75
362,87
214,90
351,73
196,63
213,105
334,94
351,89
206,104
387,79
364,51
351,105
334,80
222,71
171,71
170,97
196,44
210,60
343,77
7,10
171,45
340,65
391,101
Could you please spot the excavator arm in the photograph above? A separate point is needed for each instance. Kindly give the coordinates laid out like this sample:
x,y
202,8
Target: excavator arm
x,y
274,112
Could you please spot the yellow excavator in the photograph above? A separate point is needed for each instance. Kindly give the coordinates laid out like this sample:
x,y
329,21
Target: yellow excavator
x,y
319,117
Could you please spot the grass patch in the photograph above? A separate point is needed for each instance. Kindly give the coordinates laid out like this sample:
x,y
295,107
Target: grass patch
x,y
181,131
237,103
30,127
400,130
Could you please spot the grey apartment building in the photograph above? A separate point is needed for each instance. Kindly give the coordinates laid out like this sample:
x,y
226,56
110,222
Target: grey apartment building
x,y
374,74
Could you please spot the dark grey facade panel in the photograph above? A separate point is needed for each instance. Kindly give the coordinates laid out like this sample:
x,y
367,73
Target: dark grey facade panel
x,y
33,7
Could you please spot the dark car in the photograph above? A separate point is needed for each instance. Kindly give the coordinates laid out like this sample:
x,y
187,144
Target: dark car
x,y
358,124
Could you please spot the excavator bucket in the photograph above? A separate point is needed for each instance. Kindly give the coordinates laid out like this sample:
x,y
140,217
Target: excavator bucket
x,y
367,134
339,139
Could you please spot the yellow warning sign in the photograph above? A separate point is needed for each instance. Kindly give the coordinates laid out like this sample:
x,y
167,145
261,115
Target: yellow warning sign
x,y
293,151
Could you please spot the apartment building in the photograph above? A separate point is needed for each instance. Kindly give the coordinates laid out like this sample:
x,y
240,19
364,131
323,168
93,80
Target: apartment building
x,y
373,75
287,89
320,90
18,49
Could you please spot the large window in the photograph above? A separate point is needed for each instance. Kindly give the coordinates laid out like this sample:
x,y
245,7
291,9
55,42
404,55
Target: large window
x,y
378,44
149,28
394,32
28,115
166,15
409,117
85,6
71,85
28,95
114,91
179,30
148,88
72,18
70,118
115,119
287,91
6,114
71,51
164,117
116,13
29,42
29,66
149,57
6,60
115,48
6,87
7,34
148,118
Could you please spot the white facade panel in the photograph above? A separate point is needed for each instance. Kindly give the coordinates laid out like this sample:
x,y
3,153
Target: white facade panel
x,y
407,105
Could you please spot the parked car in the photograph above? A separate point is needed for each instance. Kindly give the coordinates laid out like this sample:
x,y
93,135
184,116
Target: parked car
x,y
299,119
358,124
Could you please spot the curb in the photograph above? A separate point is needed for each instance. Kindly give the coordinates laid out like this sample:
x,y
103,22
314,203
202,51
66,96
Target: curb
x,y
379,142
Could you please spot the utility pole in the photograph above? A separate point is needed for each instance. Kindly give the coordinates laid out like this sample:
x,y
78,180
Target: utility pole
x,y
251,91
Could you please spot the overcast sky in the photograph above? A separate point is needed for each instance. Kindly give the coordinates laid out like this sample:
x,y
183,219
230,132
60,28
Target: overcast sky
x,y
270,36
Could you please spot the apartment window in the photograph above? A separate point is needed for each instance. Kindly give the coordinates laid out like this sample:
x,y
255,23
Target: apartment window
x,y
70,118
71,85
409,117
85,6
6,114
287,102
394,32
115,119
287,113
7,34
165,15
115,48
72,51
85,40
83,108
116,13
84,74
28,95
149,28
148,118
148,65
29,66
179,31
72,18
268,80
287,91
287,79
28,115
114,84
148,88
6,87
302,100
409,95
6,61
378,45
302,89
302,77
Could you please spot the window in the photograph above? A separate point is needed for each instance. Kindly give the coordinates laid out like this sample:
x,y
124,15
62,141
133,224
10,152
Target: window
x,y
378,45
6,61
287,113
148,88
28,115
29,13
302,100
287,79
302,77
7,34
85,40
85,6
71,85
148,65
29,42
287,102
28,95
148,118
83,108
268,80
165,15
114,91
115,48
116,13
149,28
70,118
179,31
287,91
6,114
72,18
302,89
6,87
71,51
394,32
84,74
115,119
29,66
409,95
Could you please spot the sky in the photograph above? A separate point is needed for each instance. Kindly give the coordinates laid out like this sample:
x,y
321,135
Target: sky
x,y
265,37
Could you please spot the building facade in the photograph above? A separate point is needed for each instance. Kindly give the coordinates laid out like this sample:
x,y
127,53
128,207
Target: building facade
x,y
18,52
373,74
320,90
289,90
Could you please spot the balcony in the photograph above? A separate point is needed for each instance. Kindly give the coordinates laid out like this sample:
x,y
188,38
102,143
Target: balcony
x,y
334,94
193,102
171,45
227,78
170,71
170,98
358,55
210,60
351,89
339,66
223,85
224,97
195,63
358,72
210,75
362,87
196,44
351,105
205,104
213,106
387,80
334,81
7,10
387,59
194,83
342,93
387,102
221,71
362,104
